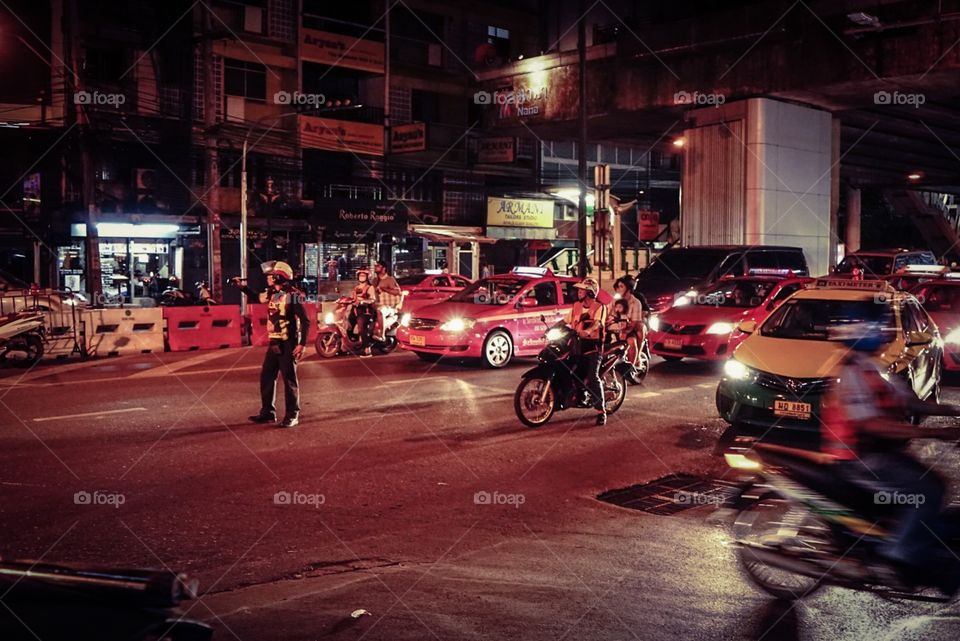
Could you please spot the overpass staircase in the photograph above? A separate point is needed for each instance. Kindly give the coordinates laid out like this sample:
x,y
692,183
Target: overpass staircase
x,y
935,217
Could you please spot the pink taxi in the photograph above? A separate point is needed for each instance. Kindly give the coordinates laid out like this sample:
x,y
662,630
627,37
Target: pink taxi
x,y
941,299
704,325
494,319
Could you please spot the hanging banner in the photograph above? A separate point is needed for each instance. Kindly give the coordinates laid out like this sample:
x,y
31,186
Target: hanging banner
x,y
493,150
649,225
337,50
341,135
519,212
407,138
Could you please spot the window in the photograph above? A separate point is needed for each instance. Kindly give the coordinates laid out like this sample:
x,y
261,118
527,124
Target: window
x,y
794,260
732,264
460,282
763,260
900,262
569,292
497,32
439,281
500,39
544,293
247,79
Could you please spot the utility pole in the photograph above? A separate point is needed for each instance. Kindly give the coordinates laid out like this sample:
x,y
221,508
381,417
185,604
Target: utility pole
x,y
583,264
214,261
80,116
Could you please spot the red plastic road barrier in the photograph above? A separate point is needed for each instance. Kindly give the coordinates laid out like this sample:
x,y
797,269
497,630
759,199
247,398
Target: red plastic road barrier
x,y
258,322
192,328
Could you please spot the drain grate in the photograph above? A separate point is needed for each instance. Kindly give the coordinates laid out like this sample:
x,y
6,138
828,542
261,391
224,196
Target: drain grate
x,y
671,494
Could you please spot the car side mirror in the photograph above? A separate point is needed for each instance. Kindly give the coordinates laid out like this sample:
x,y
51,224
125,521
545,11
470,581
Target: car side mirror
x,y
748,326
527,302
918,339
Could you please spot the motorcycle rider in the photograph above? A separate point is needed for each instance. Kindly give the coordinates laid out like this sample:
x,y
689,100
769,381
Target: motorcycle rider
x,y
287,326
634,329
864,429
588,319
364,298
389,294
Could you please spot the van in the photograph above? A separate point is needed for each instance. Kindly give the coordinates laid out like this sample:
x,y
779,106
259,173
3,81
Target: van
x,y
681,269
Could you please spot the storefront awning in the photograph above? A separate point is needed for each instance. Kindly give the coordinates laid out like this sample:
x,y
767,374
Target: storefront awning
x,y
451,234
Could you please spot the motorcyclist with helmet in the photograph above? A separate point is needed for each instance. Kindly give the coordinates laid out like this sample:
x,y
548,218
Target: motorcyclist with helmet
x,y
287,327
864,429
588,318
362,310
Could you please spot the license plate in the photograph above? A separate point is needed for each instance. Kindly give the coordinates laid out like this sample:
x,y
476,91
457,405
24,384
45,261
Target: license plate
x,y
792,409
673,343
418,340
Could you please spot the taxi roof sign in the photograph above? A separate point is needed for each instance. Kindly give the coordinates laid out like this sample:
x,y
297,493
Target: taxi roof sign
x,y
861,285
534,272
923,269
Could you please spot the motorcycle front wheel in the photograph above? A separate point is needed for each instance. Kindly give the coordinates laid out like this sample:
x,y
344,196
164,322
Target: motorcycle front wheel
x,y
328,344
533,408
768,522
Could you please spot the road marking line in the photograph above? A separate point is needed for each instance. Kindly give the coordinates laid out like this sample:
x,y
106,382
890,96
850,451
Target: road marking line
x,y
707,385
176,366
675,390
86,414
420,380
647,394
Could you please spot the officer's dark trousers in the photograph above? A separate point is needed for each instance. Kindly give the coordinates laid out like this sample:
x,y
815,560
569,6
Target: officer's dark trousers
x,y
279,360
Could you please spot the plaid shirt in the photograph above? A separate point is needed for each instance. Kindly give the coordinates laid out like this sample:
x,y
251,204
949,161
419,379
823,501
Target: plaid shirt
x,y
384,297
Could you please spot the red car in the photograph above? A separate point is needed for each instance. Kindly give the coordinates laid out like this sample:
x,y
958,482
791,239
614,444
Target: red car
x,y
428,288
941,299
913,276
705,327
494,319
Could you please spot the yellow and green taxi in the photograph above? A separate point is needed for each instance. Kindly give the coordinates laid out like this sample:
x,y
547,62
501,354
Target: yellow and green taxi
x,y
777,376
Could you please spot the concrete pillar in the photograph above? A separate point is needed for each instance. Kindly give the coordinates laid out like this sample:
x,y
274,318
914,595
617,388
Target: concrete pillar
x,y
853,220
453,258
758,172
474,260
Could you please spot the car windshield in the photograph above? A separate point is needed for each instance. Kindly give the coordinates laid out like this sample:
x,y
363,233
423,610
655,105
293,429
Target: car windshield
x,y
813,319
490,291
683,264
410,280
736,293
873,265
940,298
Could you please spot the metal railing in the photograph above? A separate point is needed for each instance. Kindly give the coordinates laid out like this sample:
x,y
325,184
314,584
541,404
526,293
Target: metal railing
x,y
61,309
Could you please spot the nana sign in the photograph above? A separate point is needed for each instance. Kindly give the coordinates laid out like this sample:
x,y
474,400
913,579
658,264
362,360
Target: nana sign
x,y
519,212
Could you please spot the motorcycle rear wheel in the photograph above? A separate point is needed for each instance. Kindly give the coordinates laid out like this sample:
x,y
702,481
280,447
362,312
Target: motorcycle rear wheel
x,y
387,345
28,350
768,519
527,405
328,344
614,390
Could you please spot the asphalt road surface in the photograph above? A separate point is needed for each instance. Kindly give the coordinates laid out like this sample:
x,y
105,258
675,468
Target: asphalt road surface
x,y
410,491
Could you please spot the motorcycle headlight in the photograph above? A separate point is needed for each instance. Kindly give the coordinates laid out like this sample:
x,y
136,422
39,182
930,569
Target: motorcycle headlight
x,y
953,337
458,325
328,318
405,320
555,334
736,370
654,323
720,328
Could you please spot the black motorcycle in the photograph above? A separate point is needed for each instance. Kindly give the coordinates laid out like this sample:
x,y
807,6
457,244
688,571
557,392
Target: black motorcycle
x,y
557,382
797,529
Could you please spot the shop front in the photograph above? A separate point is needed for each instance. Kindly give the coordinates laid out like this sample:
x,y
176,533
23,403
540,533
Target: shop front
x,y
525,230
455,249
137,260
355,233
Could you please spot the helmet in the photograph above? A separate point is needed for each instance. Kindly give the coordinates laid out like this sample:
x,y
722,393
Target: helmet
x,y
277,268
363,270
590,285
860,336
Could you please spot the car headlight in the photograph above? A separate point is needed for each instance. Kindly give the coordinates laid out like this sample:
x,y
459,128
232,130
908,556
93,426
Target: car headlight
x,y
555,334
682,300
720,328
405,320
736,370
458,325
654,323
328,318
953,337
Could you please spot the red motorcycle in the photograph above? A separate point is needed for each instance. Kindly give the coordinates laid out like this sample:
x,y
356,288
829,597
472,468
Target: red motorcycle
x,y
335,335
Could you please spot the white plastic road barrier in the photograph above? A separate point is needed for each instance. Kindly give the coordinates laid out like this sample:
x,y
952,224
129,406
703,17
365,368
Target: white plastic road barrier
x,y
114,332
